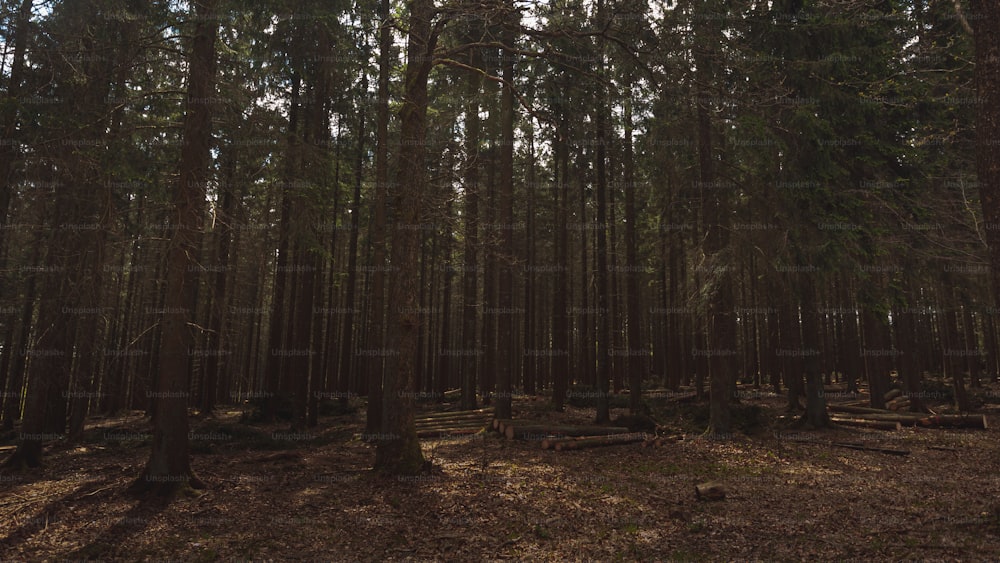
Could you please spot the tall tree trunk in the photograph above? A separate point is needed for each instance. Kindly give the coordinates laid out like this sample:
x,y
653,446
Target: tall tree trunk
x,y
470,261
216,356
637,364
376,328
169,464
398,448
505,196
560,305
985,18
347,329
275,362
603,314
721,317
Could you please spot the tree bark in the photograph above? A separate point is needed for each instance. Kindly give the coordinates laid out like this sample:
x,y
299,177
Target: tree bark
x,y
598,441
398,448
470,263
985,18
169,464
376,328
505,315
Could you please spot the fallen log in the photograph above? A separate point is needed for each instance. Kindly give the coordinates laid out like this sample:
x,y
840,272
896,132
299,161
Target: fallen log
x,y
864,423
852,409
898,404
471,424
504,425
499,424
478,413
975,421
597,441
522,431
447,432
892,394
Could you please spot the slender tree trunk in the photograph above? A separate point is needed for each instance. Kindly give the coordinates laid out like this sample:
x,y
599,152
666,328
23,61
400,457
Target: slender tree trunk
x,y
169,464
376,330
874,353
275,363
791,351
604,337
445,353
216,356
505,301
636,363
560,305
347,329
470,269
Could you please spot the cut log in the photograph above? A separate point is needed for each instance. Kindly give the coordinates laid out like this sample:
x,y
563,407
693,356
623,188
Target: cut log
x,y
446,432
598,441
500,424
530,431
852,409
711,490
863,423
479,413
892,394
449,426
976,421
898,404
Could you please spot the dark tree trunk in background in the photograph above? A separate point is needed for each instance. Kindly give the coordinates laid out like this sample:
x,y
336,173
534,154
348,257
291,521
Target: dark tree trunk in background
x,y
505,302
601,249
815,415
345,377
470,263
560,305
169,464
275,356
985,19
875,354
637,364
376,327
790,351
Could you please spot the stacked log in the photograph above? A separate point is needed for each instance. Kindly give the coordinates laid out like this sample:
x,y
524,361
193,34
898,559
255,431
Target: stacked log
x,y
454,423
523,430
863,423
976,421
582,442
566,436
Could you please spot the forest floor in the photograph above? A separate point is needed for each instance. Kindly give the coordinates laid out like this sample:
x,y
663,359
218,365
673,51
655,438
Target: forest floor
x,y
311,496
